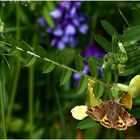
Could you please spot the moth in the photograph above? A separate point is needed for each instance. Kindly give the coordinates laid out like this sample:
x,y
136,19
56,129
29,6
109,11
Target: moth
x,y
112,115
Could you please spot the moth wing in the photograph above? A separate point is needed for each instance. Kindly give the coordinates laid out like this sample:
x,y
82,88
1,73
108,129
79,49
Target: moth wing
x,y
128,119
98,112
120,124
106,122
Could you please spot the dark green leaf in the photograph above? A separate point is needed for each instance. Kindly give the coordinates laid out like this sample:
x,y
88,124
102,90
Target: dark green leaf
x,y
108,27
107,75
79,63
93,67
135,113
87,123
30,61
65,76
131,34
114,43
136,101
47,17
25,46
12,41
100,90
82,84
48,67
103,42
41,52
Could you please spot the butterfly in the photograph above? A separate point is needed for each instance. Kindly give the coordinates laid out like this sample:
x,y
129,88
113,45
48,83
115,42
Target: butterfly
x,y
111,115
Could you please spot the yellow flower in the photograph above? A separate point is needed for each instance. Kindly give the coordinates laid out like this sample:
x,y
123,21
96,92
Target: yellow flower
x,y
134,86
79,112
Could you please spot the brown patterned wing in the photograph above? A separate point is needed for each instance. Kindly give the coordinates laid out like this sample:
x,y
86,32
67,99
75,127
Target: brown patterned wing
x,y
124,119
127,118
98,112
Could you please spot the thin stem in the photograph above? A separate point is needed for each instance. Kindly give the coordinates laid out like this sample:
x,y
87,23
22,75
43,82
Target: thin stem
x,y
124,17
31,91
2,108
57,64
62,118
13,93
73,70
17,70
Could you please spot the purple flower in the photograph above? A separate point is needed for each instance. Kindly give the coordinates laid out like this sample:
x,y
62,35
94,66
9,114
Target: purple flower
x,y
90,50
93,50
69,20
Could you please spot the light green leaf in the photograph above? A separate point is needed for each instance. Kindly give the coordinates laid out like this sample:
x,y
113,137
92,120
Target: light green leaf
x,y
51,5
93,67
79,63
82,84
30,61
47,17
87,123
103,42
108,27
65,76
48,68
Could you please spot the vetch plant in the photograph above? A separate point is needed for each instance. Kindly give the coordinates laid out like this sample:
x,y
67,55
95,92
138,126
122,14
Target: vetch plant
x,y
106,99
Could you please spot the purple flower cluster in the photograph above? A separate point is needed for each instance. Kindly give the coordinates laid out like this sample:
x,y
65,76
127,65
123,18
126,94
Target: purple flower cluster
x,y
91,50
69,20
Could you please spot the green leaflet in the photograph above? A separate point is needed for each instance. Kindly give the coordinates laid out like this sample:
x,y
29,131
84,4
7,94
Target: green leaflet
x,y
131,70
51,5
25,46
107,75
82,84
108,27
131,34
87,123
79,63
41,51
93,67
66,74
30,61
114,43
100,90
47,17
103,42
48,68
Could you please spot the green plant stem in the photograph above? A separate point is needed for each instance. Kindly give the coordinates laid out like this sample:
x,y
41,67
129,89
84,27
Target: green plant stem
x,y
31,92
57,64
13,93
61,114
124,17
2,108
17,70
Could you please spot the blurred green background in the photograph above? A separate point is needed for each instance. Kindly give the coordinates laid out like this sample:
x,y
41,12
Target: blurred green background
x,y
33,104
